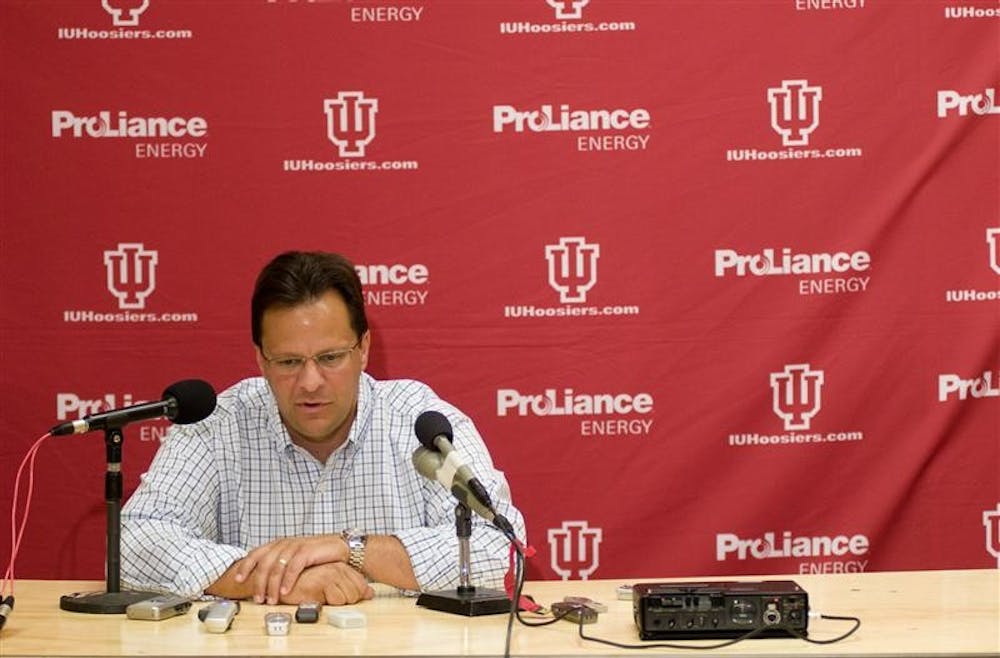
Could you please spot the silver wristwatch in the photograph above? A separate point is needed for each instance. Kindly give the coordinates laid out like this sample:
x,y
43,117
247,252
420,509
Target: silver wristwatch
x,y
356,545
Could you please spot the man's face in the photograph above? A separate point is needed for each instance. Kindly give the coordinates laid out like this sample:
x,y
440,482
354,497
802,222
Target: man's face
x,y
317,402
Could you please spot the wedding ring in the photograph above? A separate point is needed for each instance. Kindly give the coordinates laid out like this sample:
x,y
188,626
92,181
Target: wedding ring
x,y
282,561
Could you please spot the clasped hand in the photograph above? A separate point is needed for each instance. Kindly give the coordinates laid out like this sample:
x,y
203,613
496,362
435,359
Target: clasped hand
x,y
297,569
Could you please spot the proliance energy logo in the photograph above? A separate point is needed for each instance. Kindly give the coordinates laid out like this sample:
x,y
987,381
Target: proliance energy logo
x,y
387,14
130,278
575,549
818,273
125,15
618,129
369,14
796,399
394,285
827,553
351,128
993,259
571,266
600,415
568,19
151,137
954,387
951,103
828,5
794,108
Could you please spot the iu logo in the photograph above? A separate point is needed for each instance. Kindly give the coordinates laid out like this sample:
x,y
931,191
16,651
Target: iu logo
x,y
125,12
796,395
131,274
572,268
568,8
993,237
350,122
991,519
575,549
794,110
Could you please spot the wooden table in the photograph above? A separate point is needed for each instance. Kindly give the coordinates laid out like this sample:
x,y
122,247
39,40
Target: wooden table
x,y
924,613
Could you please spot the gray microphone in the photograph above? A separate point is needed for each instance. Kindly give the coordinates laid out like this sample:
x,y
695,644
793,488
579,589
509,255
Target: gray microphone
x,y
435,434
432,465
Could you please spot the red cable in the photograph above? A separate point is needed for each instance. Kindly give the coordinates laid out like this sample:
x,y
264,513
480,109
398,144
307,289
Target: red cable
x,y
15,532
509,585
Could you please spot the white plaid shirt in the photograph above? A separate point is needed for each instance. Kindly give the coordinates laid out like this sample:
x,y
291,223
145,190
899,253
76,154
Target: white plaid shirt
x,y
218,488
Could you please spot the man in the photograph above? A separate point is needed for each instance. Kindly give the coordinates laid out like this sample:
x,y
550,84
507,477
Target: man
x,y
300,485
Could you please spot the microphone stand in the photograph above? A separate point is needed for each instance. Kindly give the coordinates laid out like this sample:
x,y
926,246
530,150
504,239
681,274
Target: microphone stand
x,y
114,600
466,599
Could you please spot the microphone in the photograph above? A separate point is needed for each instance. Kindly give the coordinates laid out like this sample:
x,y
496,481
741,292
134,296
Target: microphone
x,y
430,464
184,402
435,434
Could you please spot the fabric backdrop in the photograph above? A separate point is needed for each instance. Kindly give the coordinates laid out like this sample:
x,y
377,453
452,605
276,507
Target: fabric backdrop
x,y
716,279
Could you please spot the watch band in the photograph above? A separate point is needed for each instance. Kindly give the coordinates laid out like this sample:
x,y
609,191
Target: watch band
x,y
356,545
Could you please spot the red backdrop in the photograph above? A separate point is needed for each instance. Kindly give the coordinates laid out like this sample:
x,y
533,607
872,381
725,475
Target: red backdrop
x,y
718,281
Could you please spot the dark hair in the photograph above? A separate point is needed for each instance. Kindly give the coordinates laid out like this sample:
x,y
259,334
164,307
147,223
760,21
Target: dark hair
x,y
297,277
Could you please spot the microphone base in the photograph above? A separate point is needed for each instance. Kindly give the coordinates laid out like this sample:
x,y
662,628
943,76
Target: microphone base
x,y
102,603
479,601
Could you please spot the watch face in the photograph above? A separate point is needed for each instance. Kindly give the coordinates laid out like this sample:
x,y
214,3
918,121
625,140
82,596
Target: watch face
x,y
354,538
356,545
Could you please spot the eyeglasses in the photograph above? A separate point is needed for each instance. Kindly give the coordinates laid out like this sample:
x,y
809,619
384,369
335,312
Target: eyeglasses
x,y
331,361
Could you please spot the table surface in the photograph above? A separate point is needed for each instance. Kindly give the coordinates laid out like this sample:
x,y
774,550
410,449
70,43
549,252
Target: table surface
x,y
918,613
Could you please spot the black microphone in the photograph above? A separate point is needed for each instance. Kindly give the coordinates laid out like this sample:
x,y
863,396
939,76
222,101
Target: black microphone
x,y
430,464
435,434
184,402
